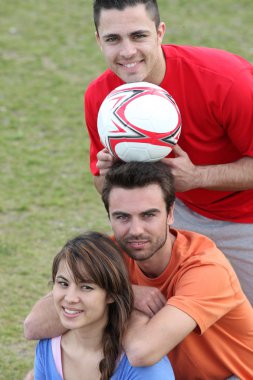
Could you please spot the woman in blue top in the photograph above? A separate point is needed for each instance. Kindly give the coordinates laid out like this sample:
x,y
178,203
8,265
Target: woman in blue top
x,y
93,298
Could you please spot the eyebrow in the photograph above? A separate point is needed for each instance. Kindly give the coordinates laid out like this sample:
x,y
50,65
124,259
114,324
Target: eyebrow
x,y
77,281
117,213
154,210
141,31
61,277
110,35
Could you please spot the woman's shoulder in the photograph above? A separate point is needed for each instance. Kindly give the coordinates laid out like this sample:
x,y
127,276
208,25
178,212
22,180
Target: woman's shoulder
x,y
160,370
44,344
46,364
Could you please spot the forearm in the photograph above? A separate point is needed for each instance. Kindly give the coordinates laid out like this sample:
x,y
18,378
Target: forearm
x,y
136,325
104,163
43,320
235,176
146,340
99,182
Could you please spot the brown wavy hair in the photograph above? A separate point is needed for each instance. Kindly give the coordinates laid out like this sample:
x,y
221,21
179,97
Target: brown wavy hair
x,y
96,255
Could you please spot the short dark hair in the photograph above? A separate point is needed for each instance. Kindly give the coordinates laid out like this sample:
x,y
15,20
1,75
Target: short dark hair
x,y
150,5
130,175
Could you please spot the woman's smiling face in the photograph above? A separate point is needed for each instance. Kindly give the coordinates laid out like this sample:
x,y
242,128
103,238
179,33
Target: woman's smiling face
x,y
79,304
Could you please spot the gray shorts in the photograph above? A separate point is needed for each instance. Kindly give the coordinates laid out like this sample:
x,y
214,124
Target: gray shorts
x,y
235,240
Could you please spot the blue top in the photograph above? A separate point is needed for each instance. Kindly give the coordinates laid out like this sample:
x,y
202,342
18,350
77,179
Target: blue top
x,y
46,368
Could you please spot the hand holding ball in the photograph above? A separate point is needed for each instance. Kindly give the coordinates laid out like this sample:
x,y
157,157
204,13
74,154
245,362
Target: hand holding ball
x,y
139,122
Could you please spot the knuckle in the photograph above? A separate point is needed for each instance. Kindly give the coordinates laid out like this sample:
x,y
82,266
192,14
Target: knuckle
x,y
154,292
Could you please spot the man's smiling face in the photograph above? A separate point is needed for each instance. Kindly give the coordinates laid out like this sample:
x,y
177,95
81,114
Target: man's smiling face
x,y
131,44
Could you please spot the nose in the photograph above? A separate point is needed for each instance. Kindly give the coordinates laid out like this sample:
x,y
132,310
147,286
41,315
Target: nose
x,y
136,227
128,49
71,295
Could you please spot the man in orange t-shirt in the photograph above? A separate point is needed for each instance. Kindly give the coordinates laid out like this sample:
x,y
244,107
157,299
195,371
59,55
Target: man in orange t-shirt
x,y
201,316
195,310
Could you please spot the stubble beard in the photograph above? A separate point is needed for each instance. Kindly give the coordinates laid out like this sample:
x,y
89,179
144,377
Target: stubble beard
x,y
140,256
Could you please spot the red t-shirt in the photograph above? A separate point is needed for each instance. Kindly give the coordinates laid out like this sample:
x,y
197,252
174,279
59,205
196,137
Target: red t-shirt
x,y
214,92
200,281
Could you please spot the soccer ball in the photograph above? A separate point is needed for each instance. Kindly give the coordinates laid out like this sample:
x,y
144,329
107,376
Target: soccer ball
x,y
139,122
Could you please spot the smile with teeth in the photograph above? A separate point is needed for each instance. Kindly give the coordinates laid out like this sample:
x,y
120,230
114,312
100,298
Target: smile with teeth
x,y
129,65
72,311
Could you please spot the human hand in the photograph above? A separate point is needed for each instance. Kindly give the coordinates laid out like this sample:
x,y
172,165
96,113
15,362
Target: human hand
x,y
104,161
148,299
183,170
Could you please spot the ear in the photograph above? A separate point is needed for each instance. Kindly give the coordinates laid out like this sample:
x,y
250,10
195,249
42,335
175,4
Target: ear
x,y
161,31
109,299
98,40
170,217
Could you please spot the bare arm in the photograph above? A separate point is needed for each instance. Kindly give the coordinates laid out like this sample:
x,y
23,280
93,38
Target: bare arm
x,y
99,182
148,300
104,162
234,176
43,320
148,340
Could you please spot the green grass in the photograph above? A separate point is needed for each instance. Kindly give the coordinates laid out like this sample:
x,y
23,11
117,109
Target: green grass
x,y
48,57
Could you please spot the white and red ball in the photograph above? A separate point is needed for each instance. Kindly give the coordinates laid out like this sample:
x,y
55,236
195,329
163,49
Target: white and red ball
x,y
139,122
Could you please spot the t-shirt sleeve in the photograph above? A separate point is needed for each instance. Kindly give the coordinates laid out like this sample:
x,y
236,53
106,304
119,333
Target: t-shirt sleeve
x,y
206,293
160,370
91,109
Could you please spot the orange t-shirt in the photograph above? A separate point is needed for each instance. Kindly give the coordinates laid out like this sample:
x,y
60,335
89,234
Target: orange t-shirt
x,y
200,281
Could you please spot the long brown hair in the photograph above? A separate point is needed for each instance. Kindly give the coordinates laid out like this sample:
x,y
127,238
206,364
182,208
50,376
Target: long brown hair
x,y
95,255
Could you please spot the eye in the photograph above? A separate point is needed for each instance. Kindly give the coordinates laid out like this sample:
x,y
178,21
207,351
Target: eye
x,y
139,36
122,218
149,215
111,39
87,287
62,283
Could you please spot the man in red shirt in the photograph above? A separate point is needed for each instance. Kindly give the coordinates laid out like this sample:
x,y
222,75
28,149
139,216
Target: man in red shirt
x,y
213,166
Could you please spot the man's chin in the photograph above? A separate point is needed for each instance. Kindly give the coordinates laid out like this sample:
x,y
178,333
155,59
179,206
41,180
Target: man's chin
x,y
130,78
137,255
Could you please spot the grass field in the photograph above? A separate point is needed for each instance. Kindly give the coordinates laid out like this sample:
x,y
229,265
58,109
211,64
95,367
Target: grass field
x,y
48,57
